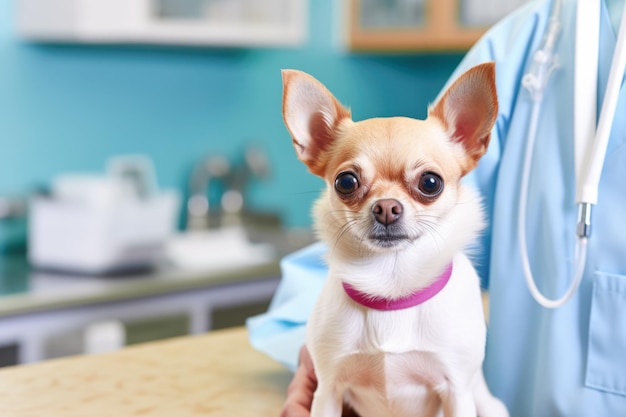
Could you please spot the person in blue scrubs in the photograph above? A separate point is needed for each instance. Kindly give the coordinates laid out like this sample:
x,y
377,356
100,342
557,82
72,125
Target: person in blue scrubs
x,y
569,361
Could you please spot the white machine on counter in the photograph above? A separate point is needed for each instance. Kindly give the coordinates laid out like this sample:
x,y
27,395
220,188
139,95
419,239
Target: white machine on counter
x,y
97,224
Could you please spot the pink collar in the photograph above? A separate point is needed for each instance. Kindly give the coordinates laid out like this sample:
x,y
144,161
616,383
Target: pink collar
x,y
418,297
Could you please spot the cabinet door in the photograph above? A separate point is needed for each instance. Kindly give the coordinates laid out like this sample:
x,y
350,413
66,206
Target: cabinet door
x,y
231,23
413,25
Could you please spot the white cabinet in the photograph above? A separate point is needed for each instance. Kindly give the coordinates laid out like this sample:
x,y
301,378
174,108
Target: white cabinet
x,y
167,22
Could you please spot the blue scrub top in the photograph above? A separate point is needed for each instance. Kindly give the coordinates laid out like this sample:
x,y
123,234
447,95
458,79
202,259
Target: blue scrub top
x,y
565,362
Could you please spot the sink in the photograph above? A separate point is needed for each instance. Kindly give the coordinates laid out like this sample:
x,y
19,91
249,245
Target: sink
x,y
251,240
217,249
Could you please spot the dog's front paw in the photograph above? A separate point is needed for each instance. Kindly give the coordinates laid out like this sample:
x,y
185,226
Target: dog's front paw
x,y
326,403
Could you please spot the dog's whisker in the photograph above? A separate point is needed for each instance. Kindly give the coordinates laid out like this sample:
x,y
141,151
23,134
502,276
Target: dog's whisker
x,y
337,219
345,228
433,229
362,246
436,236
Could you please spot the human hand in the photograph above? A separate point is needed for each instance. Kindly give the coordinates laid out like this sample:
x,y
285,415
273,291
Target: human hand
x,y
301,389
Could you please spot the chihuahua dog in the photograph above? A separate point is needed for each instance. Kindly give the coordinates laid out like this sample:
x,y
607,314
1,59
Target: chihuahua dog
x,y
398,329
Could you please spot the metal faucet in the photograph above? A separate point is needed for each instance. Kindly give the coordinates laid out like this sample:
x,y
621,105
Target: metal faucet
x,y
12,208
208,170
234,181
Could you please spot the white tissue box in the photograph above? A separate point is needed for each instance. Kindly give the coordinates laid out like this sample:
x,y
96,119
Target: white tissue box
x,y
78,236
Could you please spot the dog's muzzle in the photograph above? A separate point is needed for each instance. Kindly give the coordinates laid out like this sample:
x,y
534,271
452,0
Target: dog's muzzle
x,y
387,211
387,230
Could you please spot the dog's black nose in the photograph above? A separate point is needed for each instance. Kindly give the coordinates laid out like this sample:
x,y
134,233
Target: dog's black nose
x,y
387,211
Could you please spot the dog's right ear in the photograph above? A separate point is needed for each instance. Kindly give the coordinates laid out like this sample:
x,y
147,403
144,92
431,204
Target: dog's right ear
x,y
311,114
468,110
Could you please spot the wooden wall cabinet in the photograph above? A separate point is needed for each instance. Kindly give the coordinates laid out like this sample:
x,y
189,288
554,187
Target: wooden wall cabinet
x,y
421,25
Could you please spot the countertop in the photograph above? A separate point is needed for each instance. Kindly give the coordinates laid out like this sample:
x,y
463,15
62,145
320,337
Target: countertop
x,y
26,290
215,374
47,291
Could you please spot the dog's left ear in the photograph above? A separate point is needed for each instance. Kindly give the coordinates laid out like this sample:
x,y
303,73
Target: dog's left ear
x,y
468,110
312,115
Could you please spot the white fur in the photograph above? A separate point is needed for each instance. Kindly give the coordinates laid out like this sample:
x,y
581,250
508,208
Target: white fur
x,y
407,362
393,274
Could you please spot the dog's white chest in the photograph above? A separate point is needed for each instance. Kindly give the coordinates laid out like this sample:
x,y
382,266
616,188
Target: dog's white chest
x,y
395,332
402,350
391,383
394,362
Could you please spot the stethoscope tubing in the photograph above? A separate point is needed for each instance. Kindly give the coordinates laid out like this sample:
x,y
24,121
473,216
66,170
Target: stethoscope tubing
x,y
590,160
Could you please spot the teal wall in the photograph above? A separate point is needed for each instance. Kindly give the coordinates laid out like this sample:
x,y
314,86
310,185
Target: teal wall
x,y
68,107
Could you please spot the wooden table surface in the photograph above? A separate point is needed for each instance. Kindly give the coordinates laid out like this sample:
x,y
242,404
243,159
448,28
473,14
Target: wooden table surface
x,y
216,374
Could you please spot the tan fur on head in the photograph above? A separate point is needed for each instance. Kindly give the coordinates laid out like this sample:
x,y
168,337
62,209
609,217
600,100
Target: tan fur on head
x,y
389,156
315,118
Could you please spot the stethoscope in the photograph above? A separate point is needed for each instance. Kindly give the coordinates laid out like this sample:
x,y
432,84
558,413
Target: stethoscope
x,y
590,140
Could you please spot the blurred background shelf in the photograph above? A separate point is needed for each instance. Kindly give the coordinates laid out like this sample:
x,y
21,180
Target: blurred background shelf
x,y
422,25
230,23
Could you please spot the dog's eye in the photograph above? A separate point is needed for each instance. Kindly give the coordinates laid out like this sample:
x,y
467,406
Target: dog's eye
x,y
430,184
346,183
